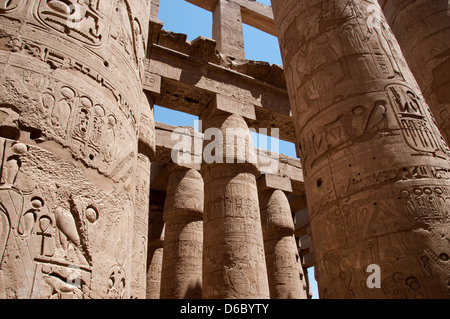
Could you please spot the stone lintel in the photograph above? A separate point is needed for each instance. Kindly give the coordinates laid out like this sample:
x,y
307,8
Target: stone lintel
x,y
275,182
154,29
288,167
189,84
307,260
253,13
172,166
298,199
209,5
258,16
306,244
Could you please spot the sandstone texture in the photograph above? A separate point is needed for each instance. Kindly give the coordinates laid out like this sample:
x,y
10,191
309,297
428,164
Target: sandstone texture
x,y
99,201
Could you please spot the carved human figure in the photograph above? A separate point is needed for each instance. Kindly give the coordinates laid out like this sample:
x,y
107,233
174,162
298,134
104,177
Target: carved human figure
x,y
109,139
61,111
139,47
123,32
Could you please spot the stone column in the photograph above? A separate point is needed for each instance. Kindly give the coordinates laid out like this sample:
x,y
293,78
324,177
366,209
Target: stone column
x,y
233,258
422,28
146,150
154,269
227,29
71,92
155,244
155,250
181,276
284,270
376,168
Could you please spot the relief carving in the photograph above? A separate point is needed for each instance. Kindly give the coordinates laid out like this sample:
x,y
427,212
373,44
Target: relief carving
x,y
50,245
80,20
360,124
418,127
400,286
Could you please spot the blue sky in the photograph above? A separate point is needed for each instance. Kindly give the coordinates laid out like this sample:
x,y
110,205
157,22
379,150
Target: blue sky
x,y
182,17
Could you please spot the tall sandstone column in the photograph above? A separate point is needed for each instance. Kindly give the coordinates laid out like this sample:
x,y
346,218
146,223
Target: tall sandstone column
x,y
155,245
181,276
422,28
233,255
140,230
375,165
70,104
154,265
284,271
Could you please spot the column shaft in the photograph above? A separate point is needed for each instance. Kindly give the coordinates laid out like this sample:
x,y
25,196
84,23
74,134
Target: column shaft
x,y
284,270
375,165
183,241
154,269
233,260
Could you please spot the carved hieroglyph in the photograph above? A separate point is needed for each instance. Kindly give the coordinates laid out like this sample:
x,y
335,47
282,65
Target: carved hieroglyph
x,y
181,276
422,29
284,270
376,167
233,253
70,91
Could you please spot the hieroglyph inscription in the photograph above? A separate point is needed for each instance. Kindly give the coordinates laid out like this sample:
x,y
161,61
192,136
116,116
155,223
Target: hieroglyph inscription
x,y
43,251
418,127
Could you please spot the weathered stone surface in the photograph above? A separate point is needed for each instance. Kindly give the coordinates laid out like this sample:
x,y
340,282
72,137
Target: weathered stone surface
x,y
227,29
253,13
70,105
231,218
422,29
284,270
181,276
375,165
155,245
95,202
192,73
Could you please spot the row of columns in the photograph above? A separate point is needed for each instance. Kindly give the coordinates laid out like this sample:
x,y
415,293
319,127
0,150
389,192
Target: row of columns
x,y
225,235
